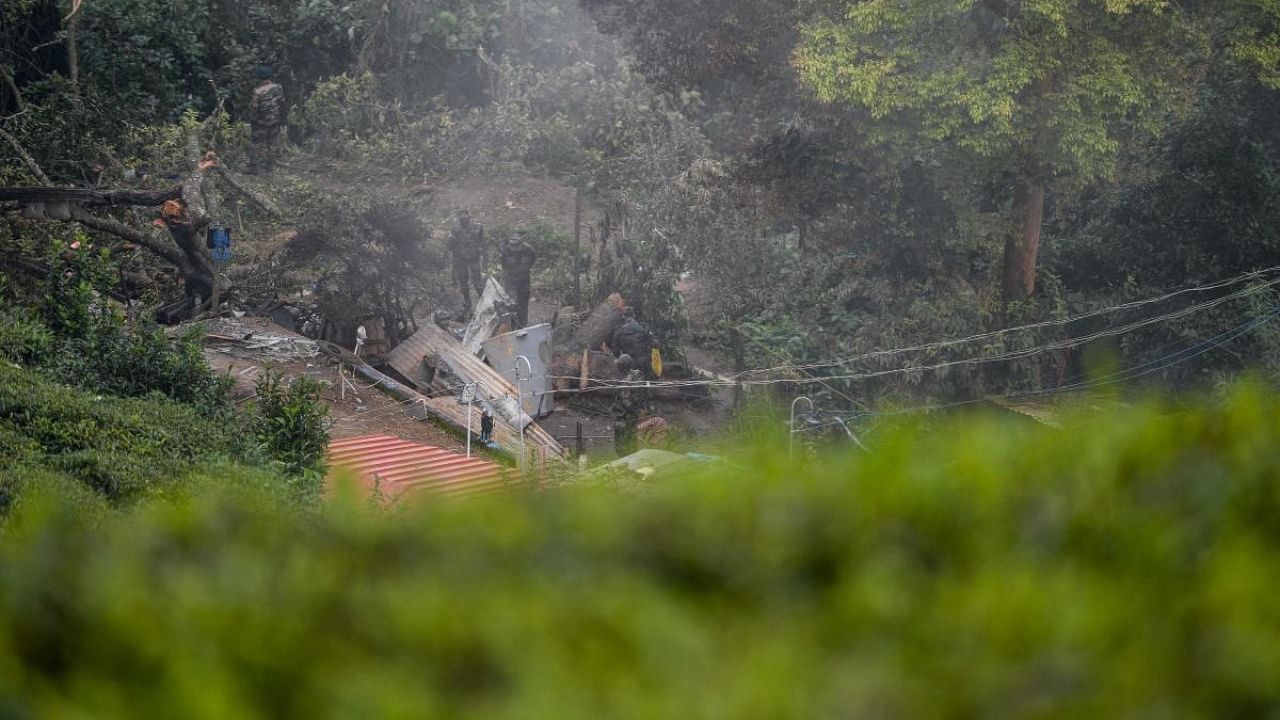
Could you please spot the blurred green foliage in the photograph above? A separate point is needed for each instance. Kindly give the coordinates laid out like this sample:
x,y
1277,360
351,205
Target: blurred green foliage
x,y
1122,566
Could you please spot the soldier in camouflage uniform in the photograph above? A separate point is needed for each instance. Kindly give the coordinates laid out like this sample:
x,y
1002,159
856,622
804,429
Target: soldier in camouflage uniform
x,y
634,339
628,405
266,117
517,260
466,243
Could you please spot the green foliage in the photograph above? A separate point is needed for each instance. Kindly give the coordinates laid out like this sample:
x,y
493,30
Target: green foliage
x,y
1124,566
340,110
1254,29
553,273
290,426
140,359
23,338
83,342
1051,84
121,449
78,280
165,62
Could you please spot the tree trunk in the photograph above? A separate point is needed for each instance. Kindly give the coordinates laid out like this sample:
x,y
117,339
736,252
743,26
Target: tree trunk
x,y
84,196
1023,244
598,327
73,51
18,102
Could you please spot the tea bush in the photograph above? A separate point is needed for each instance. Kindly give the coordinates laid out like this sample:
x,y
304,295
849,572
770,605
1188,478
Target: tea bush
x,y
121,449
291,426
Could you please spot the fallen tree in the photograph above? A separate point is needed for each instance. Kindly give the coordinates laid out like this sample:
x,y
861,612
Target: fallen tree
x,y
579,359
189,208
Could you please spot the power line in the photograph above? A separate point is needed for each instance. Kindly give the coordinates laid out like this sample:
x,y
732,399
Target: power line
x,y
1063,344
1022,328
1157,364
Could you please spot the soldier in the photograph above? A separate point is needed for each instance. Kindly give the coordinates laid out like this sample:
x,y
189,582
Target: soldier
x,y
266,116
517,259
634,339
628,404
466,243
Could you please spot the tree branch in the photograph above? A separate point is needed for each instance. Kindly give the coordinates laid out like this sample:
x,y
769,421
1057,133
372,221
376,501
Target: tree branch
x,y
85,196
121,230
262,201
31,163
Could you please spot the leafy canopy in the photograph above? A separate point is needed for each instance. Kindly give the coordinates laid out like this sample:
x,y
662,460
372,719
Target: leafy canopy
x,y
1053,82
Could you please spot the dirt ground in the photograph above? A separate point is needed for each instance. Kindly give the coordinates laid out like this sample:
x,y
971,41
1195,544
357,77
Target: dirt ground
x,y
364,411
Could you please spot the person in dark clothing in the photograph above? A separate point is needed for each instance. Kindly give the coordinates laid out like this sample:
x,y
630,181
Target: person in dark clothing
x,y
634,339
486,427
628,405
466,243
517,259
266,117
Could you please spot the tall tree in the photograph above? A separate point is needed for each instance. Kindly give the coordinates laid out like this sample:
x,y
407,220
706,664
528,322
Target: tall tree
x,y
1031,92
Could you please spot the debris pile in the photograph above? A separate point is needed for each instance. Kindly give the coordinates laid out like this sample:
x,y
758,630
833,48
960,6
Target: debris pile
x,y
234,336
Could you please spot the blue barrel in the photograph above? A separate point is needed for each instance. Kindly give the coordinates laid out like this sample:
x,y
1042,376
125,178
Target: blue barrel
x,y
220,242
219,236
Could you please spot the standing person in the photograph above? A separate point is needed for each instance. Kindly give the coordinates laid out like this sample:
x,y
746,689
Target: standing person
x,y
466,242
517,260
486,427
628,404
266,117
634,339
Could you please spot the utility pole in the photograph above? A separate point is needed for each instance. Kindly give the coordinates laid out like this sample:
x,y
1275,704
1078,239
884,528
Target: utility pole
x,y
577,247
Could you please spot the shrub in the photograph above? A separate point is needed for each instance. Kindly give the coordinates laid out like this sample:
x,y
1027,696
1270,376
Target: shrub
x,y
290,425
80,341
23,338
137,360
123,449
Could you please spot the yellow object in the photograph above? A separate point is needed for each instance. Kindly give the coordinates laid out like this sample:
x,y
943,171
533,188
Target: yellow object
x,y
655,360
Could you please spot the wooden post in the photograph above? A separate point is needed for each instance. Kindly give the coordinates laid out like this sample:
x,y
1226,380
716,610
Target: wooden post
x,y
579,443
739,365
217,292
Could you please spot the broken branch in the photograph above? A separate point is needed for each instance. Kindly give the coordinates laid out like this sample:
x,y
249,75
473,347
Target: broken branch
x,y
262,201
121,230
30,162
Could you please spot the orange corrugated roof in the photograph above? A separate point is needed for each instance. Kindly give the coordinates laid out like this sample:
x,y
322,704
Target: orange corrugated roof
x,y
397,467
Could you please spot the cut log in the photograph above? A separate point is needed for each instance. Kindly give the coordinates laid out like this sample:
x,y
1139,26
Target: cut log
x,y
598,328
572,360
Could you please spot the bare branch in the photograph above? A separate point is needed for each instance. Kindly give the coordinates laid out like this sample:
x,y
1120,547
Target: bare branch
x,y
257,198
121,230
31,163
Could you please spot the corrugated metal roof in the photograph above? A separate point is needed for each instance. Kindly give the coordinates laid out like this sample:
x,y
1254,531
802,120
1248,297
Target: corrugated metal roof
x,y
397,467
438,345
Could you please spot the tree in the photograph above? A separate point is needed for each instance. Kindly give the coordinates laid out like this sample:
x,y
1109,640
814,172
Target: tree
x,y
1253,34
1026,93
